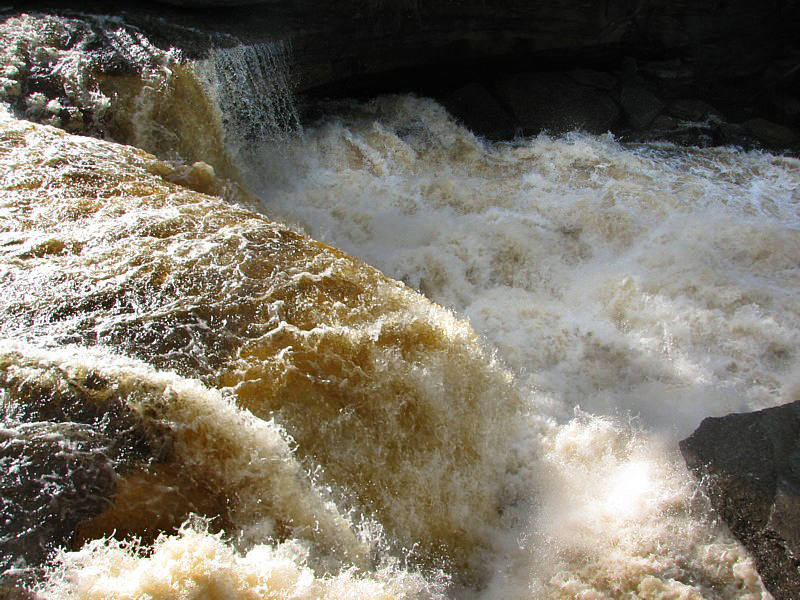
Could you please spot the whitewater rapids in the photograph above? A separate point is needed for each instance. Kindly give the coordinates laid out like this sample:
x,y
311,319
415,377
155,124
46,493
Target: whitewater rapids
x,y
472,385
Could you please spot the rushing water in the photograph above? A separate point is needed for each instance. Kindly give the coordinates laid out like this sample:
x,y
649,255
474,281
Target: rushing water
x,y
201,402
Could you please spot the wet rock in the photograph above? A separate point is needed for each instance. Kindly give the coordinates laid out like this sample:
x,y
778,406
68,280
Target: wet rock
x,y
476,108
639,105
769,133
750,464
786,109
555,103
672,71
213,3
782,73
64,442
690,109
596,79
664,123
722,40
727,52
733,134
53,476
15,590
351,39
662,130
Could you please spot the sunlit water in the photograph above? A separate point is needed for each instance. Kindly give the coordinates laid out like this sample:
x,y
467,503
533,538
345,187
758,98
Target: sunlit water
x,y
509,432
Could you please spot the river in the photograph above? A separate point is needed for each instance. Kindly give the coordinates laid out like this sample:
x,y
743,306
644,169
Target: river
x,y
393,360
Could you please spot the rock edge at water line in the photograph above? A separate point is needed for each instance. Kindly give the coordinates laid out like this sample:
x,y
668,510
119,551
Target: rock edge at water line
x,y
750,465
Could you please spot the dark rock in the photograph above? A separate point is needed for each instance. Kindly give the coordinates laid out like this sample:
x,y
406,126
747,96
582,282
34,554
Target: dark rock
x,y
786,109
729,53
212,3
660,131
53,476
592,78
664,123
690,109
640,105
15,590
750,464
62,449
555,103
769,133
781,73
670,71
333,41
733,134
478,110
720,40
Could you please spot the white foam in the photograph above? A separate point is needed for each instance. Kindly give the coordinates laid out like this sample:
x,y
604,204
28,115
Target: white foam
x,y
652,282
197,564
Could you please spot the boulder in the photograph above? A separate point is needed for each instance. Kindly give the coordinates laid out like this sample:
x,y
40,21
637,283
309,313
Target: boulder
x,y
733,134
479,111
785,108
750,465
639,105
691,109
664,123
769,133
556,103
592,78
211,3
672,71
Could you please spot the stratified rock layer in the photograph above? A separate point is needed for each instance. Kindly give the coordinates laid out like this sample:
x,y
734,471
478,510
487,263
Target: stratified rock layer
x,y
750,464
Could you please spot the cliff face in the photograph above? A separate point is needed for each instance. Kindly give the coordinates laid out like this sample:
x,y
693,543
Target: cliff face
x,y
705,42
740,58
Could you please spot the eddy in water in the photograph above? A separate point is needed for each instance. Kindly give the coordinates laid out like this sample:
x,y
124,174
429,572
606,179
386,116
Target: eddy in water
x,y
201,402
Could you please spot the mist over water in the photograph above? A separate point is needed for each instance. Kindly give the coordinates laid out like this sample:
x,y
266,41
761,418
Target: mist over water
x,y
226,408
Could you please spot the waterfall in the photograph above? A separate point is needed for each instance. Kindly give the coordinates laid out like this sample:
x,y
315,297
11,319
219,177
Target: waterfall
x,y
252,87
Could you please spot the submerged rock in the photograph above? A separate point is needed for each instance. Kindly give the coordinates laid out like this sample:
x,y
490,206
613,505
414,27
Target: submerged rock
x,y
750,464
53,476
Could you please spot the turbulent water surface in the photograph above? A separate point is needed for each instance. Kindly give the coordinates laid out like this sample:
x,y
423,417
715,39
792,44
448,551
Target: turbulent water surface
x,y
201,401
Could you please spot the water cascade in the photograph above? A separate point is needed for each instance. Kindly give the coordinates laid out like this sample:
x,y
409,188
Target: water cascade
x,y
251,87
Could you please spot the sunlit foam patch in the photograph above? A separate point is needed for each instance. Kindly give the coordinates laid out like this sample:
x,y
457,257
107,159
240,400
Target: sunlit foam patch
x,y
103,77
196,563
611,510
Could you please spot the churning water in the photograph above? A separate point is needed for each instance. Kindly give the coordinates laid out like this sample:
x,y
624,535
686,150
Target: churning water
x,y
202,402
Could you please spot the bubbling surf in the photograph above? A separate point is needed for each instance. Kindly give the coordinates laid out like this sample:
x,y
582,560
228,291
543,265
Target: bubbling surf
x,y
220,406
